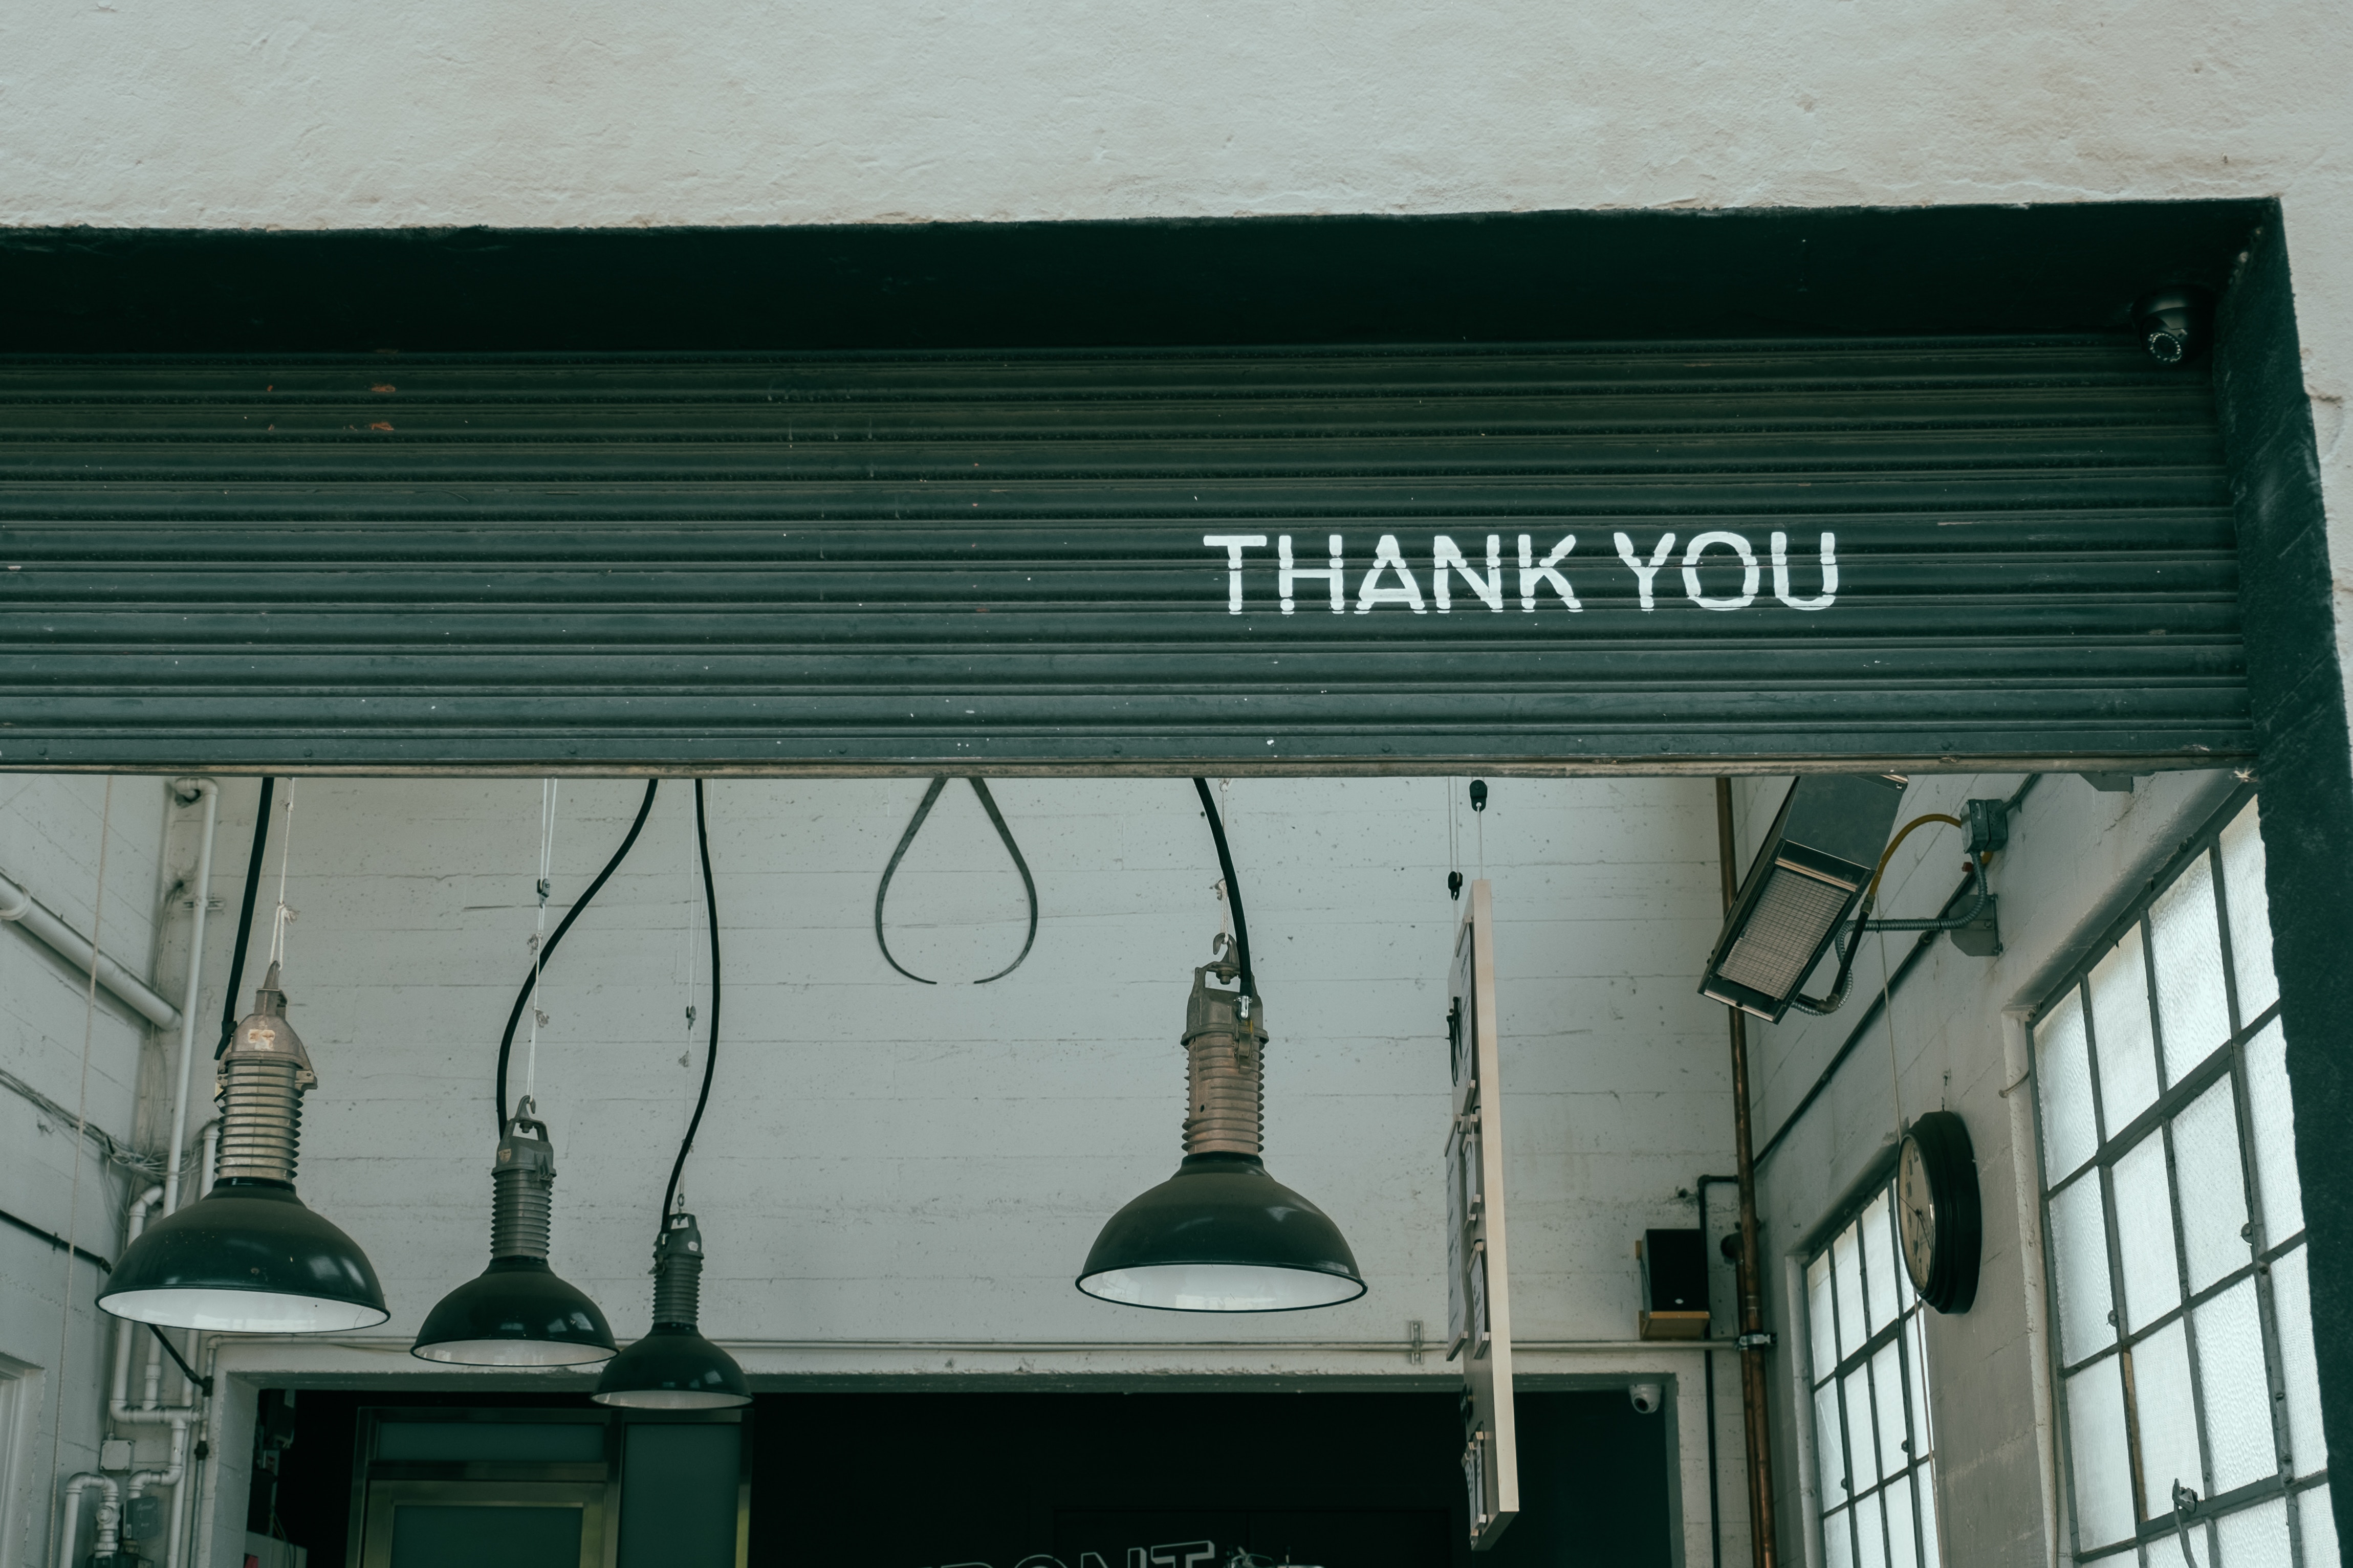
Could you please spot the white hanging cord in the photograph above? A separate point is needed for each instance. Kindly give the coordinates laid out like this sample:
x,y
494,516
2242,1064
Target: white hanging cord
x,y
547,790
1480,818
1454,848
81,1131
283,917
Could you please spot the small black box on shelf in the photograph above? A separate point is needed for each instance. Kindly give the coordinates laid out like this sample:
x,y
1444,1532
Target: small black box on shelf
x,y
1674,1285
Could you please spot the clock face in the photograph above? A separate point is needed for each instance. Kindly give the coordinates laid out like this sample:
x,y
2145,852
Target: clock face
x,y
1915,1213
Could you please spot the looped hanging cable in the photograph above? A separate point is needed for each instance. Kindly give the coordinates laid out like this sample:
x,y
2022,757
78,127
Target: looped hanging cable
x,y
547,950
710,1047
245,920
1233,896
915,825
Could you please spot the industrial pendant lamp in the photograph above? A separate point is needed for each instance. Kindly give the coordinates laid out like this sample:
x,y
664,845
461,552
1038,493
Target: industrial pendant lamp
x,y
519,1312
674,1367
247,1257
1221,1234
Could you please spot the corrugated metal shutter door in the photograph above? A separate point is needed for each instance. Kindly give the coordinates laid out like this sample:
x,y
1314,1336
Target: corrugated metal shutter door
x,y
971,561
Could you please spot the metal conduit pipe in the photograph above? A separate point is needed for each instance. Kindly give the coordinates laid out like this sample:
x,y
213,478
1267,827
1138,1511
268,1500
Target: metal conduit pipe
x,y
188,790
125,1331
150,1412
38,922
1756,1413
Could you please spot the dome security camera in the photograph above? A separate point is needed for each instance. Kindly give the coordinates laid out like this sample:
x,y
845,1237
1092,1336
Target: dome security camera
x,y
2176,324
1647,1397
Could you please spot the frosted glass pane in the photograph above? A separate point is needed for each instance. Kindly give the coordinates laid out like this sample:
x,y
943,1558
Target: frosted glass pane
x,y
2236,1392
2166,1416
1879,1263
1822,1327
2121,1040
1924,1493
1887,1392
1897,1502
1838,1540
1829,1445
2101,1460
2193,1011
2292,1308
2251,926
1924,1440
1846,1269
1861,1447
2256,1537
2319,1527
2145,1232
2079,1267
2213,1189
2272,1116
2062,1070
1870,1544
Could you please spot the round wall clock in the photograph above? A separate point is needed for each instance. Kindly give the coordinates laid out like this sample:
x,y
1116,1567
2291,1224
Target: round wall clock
x,y
1936,1212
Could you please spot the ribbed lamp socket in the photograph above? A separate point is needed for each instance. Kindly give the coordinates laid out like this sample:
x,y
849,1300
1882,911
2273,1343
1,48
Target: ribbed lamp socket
x,y
678,1274
259,1086
1225,1053
522,1188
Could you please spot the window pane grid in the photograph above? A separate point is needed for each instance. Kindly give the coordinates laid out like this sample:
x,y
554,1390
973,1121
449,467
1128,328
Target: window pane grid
x,y
1873,1436
2197,1350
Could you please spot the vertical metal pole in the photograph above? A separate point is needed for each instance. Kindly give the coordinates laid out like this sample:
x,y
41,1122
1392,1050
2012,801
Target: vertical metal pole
x,y
1755,1413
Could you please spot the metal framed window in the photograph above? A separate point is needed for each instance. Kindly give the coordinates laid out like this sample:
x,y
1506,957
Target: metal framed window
x,y
2173,1230
1872,1434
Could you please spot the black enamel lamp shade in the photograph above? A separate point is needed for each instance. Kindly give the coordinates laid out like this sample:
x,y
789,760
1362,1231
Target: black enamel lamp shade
x,y
516,1313
1221,1235
246,1258
672,1368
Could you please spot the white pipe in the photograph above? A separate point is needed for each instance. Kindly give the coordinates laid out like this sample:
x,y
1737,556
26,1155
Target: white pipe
x,y
209,793
150,1391
2026,1185
109,1514
19,906
125,1328
149,1412
179,1496
192,1340
170,1475
204,1483
1800,1358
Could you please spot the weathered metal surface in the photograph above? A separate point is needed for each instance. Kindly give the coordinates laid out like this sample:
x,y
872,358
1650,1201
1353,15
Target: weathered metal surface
x,y
998,562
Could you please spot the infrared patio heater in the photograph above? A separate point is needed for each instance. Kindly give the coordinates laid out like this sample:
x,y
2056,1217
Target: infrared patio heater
x,y
1818,867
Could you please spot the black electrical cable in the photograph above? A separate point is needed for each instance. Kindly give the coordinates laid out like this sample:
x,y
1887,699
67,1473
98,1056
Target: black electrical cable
x,y
1233,889
245,917
531,981
711,1047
